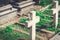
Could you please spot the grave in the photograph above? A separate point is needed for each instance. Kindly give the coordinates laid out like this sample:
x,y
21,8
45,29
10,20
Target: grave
x,y
32,25
7,10
7,13
24,6
55,13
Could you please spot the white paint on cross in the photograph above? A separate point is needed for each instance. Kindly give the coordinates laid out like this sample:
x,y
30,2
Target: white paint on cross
x,y
55,12
32,25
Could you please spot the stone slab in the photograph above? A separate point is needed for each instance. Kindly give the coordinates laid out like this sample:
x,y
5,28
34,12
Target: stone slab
x,y
7,12
5,7
56,37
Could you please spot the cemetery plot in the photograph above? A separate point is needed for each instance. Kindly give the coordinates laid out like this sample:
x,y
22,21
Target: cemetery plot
x,y
36,25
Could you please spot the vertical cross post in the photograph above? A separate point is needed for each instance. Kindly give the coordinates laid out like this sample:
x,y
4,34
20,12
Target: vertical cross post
x,y
55,13
32,25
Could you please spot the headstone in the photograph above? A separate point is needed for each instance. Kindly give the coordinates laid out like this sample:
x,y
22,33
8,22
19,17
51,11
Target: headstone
x,y
55,12
32,25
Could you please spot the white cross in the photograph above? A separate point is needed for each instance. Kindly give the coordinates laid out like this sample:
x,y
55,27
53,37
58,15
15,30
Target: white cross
x,y
55,12
32,25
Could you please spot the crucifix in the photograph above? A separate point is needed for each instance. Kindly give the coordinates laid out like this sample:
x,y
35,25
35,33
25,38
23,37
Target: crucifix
x,y
55,13
32,24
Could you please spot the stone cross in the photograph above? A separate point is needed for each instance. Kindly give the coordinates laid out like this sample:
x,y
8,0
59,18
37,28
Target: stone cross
x,y
55,12
32,25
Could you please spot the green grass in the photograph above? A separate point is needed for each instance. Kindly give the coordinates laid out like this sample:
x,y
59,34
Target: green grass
x,y
53,29
45,17
23,20
59,23
9,34
45,2
23,27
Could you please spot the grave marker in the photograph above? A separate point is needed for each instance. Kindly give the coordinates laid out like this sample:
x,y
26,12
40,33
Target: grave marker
x,y
32,25
55,12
